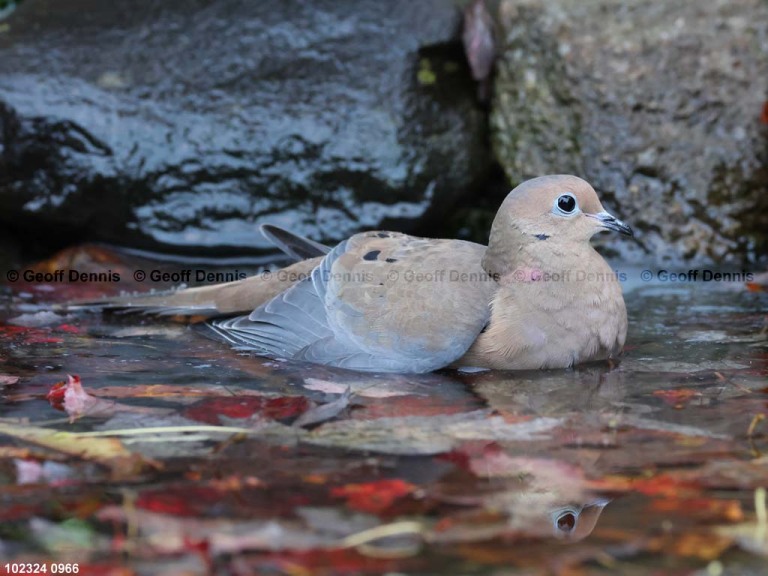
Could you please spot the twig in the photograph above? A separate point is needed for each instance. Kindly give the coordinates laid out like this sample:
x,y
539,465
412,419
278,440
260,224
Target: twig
x,y
362,540
165,430
761,526
753,425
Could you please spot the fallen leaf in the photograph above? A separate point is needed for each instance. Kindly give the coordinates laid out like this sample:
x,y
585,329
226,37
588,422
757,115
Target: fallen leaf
x,y
36,472
324,412
752,536
413,435
71,536
650,424
705,546
703,509
678,397
71,397
364,388
167,534
413,405
373,497
193,391
109,452
661,485
310,562
6,380
187,501
211,410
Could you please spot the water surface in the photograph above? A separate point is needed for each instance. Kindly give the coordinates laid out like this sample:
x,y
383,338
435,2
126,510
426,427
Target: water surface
x,y
653,463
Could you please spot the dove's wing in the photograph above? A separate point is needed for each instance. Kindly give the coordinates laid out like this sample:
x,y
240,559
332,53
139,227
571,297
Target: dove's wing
x,y
380,301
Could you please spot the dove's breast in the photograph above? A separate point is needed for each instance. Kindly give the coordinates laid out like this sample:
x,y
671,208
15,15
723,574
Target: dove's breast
x,y
553,320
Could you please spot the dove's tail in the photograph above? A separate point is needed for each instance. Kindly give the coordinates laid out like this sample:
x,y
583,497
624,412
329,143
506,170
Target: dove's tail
x,y
239,297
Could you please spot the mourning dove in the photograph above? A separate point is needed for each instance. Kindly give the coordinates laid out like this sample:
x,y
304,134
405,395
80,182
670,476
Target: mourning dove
x,y
538,296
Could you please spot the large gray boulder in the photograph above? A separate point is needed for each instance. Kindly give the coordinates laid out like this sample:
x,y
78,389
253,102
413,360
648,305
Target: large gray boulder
x,y
657,103
183,124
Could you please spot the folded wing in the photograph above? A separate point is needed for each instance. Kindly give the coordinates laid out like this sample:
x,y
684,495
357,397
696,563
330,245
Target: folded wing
x,y
379,301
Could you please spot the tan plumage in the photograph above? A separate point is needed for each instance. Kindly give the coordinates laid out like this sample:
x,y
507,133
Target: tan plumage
x,y
539,296
574,312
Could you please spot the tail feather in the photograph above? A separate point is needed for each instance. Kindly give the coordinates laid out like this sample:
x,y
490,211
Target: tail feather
x,y
297,247
239,297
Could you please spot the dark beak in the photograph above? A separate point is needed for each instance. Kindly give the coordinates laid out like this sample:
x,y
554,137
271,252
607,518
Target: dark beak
x,y
610,222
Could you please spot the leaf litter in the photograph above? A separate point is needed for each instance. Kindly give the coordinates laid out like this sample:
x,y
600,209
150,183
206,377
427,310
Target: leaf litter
x,y
658,463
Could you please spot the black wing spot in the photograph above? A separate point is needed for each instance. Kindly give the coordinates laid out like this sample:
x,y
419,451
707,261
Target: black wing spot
x,y
391,260
372,255
541,236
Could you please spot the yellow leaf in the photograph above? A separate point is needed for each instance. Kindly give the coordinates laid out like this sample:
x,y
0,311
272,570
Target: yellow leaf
x,y
109,452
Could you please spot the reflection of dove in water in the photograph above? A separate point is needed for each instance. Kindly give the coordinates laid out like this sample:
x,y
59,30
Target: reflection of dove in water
x,y
541,497
575,522
538,296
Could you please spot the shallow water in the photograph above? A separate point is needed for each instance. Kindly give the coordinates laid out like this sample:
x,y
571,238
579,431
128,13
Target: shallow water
x,y
653,463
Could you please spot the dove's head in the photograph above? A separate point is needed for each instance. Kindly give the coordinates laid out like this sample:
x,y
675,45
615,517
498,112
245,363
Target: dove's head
x,y
558,208
551,214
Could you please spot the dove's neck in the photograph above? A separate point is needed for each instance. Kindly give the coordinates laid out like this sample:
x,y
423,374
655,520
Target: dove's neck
x,y
547,255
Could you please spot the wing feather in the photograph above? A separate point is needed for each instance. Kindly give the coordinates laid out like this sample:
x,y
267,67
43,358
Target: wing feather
x,y
362,309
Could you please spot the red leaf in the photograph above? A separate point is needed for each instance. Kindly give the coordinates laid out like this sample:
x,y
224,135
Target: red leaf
x,y
24,335
72,398
180,501
373,497
68,328
209,410
57,392
764,115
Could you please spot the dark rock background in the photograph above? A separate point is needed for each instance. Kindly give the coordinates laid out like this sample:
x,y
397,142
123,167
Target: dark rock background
x,y
657,104
181,125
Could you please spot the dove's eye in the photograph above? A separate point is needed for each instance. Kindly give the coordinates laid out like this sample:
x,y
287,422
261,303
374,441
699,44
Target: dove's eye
x,y
566,204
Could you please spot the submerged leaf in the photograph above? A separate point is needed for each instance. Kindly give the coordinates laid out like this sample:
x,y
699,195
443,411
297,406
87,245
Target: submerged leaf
x,y
324,412
213,409
71,397
109,452
427,435
373,497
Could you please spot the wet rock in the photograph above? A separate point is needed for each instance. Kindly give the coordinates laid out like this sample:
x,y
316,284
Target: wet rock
x,y
183,125
658,105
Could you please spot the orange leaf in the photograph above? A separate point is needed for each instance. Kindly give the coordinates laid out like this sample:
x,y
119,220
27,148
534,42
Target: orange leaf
x,y
708,509
705,546
678,397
